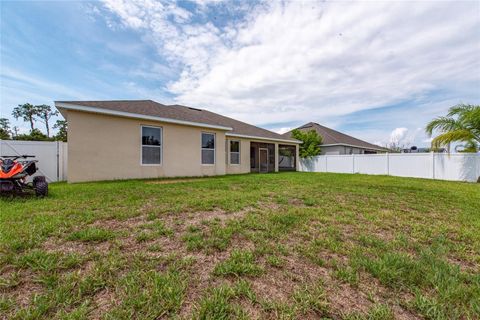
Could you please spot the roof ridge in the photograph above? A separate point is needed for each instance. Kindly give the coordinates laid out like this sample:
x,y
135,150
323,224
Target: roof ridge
x,y
122,100
337,136
328,133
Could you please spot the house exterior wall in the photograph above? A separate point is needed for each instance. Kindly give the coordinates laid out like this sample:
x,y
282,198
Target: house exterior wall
x,y
103,147
244,166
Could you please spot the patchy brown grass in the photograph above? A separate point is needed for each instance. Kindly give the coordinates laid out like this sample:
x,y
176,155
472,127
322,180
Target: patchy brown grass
x,y
294,246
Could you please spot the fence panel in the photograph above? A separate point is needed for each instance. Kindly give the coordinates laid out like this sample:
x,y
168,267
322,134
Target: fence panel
x,y
459,167
371,164
338,163
316,164
51,156
415,165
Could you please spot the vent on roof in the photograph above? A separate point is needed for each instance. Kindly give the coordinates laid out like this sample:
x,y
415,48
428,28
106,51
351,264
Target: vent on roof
x,y
194,109
307,126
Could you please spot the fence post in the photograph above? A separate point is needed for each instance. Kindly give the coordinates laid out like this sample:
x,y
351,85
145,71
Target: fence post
x,y
388,163
353,163
58,161
326,163
433,165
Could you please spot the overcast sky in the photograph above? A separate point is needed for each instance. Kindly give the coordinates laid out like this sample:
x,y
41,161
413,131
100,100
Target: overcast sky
x,y
375,70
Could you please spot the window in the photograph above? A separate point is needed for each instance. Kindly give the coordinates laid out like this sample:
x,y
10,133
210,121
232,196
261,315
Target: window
x,y
208,148
151,145
234,152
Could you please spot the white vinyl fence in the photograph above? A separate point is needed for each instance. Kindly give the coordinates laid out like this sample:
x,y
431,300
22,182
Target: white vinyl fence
x,y
51,156
443,166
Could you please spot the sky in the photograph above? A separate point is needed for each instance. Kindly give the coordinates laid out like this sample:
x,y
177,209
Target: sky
x,y
377,70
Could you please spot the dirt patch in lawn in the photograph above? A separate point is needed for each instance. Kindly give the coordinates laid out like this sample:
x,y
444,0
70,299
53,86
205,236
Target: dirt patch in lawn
x,y
194,218
119,224
202,276
104,301
23,292
54,244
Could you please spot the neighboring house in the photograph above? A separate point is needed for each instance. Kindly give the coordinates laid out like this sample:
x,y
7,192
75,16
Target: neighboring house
x,y
145,139
334,142
422,150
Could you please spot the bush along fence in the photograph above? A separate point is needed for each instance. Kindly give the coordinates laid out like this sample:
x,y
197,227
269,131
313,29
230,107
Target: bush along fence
x,y
442,166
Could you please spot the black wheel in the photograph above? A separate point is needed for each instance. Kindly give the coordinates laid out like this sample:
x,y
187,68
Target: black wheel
x,y
41,188
39,179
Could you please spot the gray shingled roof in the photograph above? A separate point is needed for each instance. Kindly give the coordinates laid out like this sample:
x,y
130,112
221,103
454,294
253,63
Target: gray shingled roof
x,y
330,136
182,113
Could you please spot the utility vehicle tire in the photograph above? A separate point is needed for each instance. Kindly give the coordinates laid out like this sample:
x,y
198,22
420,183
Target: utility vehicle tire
x,y
41,188
38,179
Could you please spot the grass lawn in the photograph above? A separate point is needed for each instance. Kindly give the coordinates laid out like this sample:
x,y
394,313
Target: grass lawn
x,y
288,245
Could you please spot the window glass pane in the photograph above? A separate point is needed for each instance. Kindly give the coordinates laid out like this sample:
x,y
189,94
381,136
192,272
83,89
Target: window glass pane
x,y
151,155
235,158
208,141
234,146
151,136
208,156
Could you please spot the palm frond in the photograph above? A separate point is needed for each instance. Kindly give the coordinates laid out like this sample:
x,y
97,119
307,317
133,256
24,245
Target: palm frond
x,y
442,124
460,119
452,136
460,109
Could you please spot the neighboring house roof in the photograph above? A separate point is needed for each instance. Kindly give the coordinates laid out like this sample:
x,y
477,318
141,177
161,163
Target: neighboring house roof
x,y
148,109
332,137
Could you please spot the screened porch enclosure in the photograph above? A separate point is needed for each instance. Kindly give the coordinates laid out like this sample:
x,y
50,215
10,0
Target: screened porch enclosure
x,y
262,157
287,157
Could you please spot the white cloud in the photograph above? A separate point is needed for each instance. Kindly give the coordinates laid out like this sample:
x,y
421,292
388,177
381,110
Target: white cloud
x,y
398,135
307,61
404,137
282,130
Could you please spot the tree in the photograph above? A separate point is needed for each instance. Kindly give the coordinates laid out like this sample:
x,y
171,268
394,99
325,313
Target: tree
x,y
34,135
311,143
27,112
62,127
14,132
462,124
4,129
44,113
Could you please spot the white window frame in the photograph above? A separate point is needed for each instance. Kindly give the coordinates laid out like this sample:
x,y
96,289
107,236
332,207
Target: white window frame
x,y
142,145
214,148
230,153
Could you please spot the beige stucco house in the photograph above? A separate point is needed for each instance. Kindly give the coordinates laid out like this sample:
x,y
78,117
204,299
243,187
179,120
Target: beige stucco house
x,y
144,139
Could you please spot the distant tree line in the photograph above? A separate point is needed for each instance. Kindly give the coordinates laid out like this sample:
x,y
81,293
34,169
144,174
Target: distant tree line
x,y
31,114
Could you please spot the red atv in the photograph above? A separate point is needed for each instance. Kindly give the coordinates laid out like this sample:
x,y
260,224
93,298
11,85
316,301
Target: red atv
x,y
14,173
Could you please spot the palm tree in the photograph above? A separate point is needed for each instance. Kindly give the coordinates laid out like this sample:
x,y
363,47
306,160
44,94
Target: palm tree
x,y
461,124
